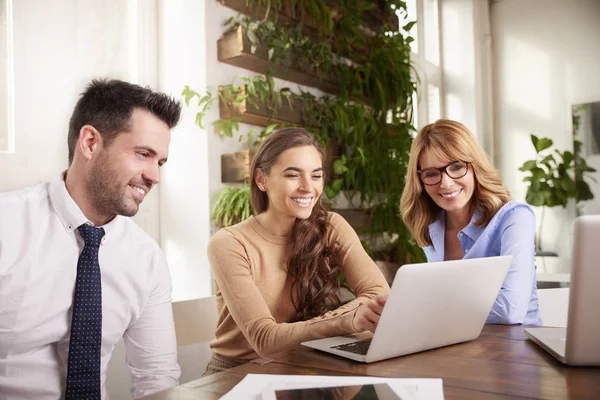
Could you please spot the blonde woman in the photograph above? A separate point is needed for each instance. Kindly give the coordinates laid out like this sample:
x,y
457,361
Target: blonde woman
x,y
456,206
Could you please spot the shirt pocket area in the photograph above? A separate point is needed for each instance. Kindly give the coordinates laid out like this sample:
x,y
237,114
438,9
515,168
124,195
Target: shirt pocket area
x,y
12,294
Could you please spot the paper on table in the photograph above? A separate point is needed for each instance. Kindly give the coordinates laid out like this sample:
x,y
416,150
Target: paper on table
x,y
252,385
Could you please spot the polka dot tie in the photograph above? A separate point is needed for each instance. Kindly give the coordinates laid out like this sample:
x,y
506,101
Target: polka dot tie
x,y
83,372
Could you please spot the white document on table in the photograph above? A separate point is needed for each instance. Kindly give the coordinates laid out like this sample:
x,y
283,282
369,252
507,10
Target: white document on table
x,y
252,386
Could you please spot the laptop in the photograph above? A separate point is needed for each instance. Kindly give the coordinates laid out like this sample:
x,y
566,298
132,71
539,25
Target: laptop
x,y
430,305
578,343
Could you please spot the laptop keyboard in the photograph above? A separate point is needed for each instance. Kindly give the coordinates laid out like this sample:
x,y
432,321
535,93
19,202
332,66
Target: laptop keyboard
x,y
359,347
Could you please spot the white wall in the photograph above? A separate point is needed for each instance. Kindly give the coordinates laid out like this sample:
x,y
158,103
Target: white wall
x,y
546,58
58,47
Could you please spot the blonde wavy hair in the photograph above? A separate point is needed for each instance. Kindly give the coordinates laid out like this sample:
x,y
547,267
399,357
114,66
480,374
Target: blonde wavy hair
x,y
453,141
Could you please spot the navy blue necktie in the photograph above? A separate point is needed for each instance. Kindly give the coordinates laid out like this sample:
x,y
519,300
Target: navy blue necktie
x,y
83,371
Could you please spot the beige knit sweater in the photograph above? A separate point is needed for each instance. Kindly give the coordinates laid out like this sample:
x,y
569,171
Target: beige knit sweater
x,y
254,290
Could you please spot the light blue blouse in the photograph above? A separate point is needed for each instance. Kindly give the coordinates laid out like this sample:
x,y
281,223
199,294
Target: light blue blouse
x,y
510,232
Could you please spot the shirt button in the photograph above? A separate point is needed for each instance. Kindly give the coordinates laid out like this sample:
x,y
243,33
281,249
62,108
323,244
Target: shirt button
x,y
460,234
466,251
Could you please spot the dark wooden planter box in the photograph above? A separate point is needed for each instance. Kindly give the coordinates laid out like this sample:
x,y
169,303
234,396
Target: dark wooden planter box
x,y
372,19
260,115
233,48
235,167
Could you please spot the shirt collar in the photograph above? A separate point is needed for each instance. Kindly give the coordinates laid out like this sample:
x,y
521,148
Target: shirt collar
x,y
473,231
437,229
67,210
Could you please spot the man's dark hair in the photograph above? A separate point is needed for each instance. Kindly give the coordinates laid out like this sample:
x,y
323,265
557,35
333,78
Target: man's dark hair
x,y
107,105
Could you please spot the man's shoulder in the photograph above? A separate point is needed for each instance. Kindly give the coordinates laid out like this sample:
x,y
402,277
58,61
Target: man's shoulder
x,y
139,237
17,197
30,202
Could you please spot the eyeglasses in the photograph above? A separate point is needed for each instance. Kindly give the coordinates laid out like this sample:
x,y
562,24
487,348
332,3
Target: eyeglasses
x,y
433,176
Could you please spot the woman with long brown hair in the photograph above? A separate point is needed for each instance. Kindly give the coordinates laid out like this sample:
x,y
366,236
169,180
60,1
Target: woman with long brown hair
x,y
277,273
456,206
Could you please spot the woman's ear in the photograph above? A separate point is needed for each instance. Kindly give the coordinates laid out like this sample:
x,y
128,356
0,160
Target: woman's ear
x,y
260,179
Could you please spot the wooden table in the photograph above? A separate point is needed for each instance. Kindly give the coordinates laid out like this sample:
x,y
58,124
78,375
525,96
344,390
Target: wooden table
x,y
501,364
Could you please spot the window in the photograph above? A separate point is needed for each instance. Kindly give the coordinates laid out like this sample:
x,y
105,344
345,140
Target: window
x,y
6,78
426,59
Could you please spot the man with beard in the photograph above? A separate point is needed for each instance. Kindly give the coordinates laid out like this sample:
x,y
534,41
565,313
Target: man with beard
x,y
76,276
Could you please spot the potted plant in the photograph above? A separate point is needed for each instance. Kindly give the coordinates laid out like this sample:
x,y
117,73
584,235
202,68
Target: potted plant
x,y
231,206
554,177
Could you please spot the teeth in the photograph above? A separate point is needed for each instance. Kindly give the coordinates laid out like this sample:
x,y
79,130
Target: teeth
x,y
137,189
302,201
450,195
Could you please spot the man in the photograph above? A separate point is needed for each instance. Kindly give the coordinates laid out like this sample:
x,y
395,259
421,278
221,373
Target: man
x,y
75,274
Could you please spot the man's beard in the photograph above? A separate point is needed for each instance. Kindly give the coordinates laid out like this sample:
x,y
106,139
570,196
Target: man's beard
x,y
107,194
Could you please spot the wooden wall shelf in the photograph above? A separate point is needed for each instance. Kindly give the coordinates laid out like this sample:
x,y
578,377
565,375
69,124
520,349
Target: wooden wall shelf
x,y
373,19
235,167
233,48
284,17
260,115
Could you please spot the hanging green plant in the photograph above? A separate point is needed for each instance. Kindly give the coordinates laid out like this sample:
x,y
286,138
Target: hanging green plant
x,y
368,121
231,205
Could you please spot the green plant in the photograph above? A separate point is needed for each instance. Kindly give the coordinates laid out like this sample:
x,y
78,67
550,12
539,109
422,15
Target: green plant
x,y
555,177
260,89
231,206
367,125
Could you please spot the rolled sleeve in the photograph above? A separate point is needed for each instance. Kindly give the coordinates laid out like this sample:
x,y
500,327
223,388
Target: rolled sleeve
x,y
150,343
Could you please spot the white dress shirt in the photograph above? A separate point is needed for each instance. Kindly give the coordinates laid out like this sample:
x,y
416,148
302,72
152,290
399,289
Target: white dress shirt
x,y
39,249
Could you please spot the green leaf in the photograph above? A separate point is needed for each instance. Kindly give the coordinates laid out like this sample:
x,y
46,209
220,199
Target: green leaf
x,y
528,165
538,174
239,99
339,166
567,185
542,144
337,184
199,120
535,198
269,129
583,192
188,94
567,157
409,26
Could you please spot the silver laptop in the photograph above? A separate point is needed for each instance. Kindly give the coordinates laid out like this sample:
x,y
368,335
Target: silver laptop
x,y
579,342
430,305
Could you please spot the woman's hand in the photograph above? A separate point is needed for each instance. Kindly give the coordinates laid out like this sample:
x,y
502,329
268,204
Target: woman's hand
x,y
368,314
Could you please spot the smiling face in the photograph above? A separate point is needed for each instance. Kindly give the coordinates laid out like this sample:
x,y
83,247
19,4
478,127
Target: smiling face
x,y
294,183
127,168
452,195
